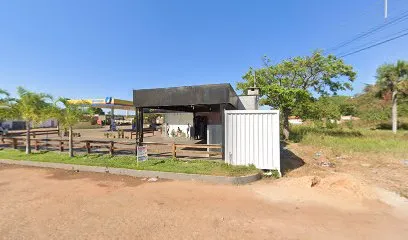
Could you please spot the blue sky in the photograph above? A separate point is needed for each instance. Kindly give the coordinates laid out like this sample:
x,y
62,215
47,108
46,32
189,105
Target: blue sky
x,y
94,49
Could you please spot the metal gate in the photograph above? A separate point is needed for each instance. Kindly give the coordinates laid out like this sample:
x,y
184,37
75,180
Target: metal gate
x,y
252,137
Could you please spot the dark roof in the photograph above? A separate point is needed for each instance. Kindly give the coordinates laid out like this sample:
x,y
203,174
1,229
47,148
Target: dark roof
x,y
187,98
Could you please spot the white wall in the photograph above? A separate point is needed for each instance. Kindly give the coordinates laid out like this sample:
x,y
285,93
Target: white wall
x,y
252,137
247,102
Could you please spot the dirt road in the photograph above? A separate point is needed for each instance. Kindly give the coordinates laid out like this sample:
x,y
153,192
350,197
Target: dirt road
x,y
55,204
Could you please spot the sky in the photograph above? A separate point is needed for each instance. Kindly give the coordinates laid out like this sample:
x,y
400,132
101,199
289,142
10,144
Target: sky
x,y
95,49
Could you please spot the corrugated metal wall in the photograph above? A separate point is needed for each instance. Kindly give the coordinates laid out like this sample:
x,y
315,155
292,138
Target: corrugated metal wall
x,y
252,137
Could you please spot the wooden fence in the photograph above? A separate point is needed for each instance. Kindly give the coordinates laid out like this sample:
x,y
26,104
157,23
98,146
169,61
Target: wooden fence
x,y
119,147
145,130
35,132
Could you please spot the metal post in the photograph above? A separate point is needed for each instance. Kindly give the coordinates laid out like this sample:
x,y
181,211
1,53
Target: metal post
x,y
112,117
222,115
140,130
136,128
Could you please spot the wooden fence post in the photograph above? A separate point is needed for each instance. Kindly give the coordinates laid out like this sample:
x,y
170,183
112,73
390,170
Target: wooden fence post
x,y
36,147
174,150
88,147
2,139
112,148
61,146
14,143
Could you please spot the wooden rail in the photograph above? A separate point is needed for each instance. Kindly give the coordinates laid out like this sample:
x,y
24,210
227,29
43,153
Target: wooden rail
x,y
145,130
112,147
35,132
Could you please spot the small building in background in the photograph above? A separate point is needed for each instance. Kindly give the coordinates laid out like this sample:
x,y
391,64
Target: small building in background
x,y
295,120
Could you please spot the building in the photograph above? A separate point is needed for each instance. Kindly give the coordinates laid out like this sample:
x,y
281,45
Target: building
x,y
196,111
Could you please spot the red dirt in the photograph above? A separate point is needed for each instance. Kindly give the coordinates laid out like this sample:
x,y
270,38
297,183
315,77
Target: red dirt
x,y
48,204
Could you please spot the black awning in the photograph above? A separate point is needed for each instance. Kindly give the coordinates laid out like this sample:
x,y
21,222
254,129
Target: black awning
x,y
201,98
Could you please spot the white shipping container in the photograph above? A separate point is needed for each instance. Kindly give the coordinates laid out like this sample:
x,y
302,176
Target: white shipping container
x,y
252,137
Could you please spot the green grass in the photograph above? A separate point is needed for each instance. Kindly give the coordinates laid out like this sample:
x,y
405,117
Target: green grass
x,y
207,167
355,140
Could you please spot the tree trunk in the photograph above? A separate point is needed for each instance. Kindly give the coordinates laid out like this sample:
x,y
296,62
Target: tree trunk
x,y
70,143
394,112
286,114
28,138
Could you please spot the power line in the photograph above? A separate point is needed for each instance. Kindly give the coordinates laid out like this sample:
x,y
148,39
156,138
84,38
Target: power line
x,y
402,17
374,45
372,42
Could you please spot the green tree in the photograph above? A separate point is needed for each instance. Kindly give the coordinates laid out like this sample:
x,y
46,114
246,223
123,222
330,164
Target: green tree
x,y
68,116
4,100
98,111
292,83
393,79
31,107
321,109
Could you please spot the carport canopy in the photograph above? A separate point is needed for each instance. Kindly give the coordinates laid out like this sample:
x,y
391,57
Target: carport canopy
x,y
199,98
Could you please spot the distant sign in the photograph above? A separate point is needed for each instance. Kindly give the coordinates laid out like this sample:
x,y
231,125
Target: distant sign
x,y
142,153
108,100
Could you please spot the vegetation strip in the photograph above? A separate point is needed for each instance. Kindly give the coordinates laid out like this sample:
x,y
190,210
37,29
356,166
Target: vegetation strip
x,y
205,167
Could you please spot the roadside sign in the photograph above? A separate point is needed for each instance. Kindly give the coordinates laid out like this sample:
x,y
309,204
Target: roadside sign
x,y
141,153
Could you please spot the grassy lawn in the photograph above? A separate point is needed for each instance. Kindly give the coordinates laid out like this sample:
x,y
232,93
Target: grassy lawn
x,y
355,140
207,167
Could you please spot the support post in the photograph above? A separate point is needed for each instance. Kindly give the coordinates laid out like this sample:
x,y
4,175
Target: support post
x,y
36,146
112,117
112,148
222,115
61,146
140,125
88,147
136,128
173,150
14,143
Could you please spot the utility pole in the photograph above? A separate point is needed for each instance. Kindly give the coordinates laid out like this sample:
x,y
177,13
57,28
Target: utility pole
x,y
385,9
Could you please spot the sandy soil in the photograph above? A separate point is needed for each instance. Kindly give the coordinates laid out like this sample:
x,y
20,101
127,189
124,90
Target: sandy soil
x,y
55,204
384,170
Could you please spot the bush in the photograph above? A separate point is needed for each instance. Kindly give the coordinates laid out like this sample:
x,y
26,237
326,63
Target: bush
x,y
388,126
297,133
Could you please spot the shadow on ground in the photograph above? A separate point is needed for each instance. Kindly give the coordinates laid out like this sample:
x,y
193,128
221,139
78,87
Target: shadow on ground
x,y
289,160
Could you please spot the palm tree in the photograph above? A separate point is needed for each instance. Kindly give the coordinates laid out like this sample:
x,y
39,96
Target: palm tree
x,y
68,116
4,104
31,107
393,79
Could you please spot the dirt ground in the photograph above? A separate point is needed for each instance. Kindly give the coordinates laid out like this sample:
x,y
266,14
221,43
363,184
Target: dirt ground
x,y
384,170
55,204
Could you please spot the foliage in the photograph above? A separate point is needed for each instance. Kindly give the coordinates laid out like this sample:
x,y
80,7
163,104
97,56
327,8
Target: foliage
x,y
392,79
208,167
97,111
323,108
271,174
70,114
150,117
346,141
30,106
291,83
4,104
370,107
